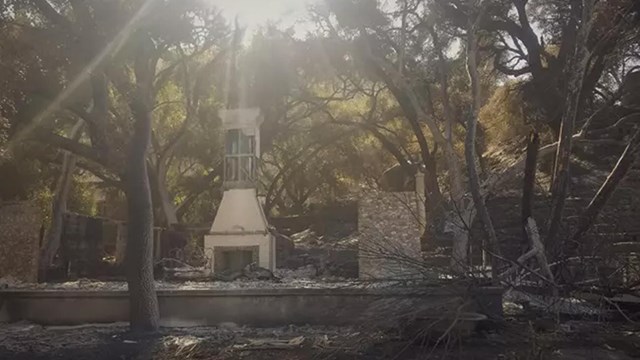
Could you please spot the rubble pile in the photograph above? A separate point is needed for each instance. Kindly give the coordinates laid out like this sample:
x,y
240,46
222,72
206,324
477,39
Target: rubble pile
x,y
322,256
288,280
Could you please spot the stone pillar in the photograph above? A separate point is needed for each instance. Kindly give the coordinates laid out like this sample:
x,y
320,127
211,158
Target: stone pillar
x,y
389,235
19,241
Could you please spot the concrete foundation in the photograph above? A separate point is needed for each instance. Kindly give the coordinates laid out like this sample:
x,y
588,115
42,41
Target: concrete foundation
x,y
261,308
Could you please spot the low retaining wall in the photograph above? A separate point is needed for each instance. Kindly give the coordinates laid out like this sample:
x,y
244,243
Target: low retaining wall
x,y
261,308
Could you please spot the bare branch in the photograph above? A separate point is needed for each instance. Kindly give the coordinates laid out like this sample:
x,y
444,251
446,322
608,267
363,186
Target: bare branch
x,y
588,217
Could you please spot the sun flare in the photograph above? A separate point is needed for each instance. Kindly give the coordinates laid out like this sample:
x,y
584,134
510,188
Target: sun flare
x,y
256,13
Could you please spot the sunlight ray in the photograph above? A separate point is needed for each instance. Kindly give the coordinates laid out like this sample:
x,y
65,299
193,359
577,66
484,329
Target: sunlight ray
x,y
114,46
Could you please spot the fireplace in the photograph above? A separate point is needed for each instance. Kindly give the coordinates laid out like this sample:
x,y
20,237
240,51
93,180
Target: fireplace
x,y
240,233
233,259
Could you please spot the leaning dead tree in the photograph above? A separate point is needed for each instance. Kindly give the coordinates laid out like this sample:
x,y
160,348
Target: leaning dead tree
x,y
534,248
575,98
529,180
59,207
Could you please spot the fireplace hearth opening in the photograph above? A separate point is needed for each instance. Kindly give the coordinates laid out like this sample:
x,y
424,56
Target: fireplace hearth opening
x,y
235,259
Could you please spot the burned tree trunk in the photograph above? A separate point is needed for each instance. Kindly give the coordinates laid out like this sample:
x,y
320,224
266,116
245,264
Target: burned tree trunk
x,y
143,303
169,209
529,183
144,314
168,206
59,207
530,232
470,151
561,175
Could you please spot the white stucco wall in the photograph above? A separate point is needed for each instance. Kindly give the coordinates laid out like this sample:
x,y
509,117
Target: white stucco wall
x,y
240,222
239,211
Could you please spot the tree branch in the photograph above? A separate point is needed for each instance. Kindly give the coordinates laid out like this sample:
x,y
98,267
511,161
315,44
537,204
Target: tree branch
x,y
590,214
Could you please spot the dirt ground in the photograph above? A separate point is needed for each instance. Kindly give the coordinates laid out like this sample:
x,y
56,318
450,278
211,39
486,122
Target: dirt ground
x,y
513,339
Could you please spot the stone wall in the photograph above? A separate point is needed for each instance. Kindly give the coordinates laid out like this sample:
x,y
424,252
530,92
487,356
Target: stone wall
x,y
19,241
389,234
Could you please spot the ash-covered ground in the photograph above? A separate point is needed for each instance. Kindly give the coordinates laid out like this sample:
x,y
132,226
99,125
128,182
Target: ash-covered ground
x,y
229,341
516,338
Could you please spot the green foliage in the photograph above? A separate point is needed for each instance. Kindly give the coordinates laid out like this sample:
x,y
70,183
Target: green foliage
x,y
503,116
82,197
42,198
47,54
202,211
